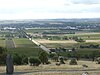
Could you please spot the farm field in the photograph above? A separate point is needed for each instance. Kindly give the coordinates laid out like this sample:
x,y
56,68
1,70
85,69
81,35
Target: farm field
x,y
24,42
2,42
88,37
64,43
10,43
93,41
57,45
39,30
51,44
25,47
57,41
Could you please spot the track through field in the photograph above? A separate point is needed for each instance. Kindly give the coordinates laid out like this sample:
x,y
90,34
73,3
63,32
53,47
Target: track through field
x,y
10,43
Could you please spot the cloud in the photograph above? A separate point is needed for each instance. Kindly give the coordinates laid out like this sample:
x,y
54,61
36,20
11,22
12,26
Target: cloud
x,y
48,8
85,1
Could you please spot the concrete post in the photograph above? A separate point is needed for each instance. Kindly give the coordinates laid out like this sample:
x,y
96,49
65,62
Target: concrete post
x,y
9,64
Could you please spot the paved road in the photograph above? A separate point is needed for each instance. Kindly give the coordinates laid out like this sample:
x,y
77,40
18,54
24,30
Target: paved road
x,y
41,46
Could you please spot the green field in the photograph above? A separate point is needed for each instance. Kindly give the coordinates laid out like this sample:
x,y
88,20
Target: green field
x,y
2,42
67,45
24,46
57,45
39,30
24,42
85,34
82,34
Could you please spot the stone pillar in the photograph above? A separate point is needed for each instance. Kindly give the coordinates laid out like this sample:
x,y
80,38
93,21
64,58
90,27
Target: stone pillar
x,y
9,64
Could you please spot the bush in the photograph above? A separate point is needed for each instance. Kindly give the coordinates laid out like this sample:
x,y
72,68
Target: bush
x,y
73,62
43,56
25,60
98,60
48,62
58,64
17,59
62,61
3,53
34,61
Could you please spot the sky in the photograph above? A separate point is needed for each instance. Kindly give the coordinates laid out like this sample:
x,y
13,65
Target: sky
x,y
49,9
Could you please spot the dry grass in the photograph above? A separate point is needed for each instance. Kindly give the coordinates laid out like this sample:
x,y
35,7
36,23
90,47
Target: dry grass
x,y
61,73
29,70
51,41
93,41
82,33
2,69
91,65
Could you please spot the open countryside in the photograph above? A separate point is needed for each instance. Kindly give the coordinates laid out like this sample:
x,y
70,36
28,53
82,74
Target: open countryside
x,y
59,47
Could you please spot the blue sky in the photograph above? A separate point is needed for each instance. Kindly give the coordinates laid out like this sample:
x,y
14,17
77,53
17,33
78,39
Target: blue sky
x,y
47,9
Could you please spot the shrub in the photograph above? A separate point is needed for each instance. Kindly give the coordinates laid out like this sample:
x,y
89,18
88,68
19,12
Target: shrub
x,y
20,59
3,53
98,60
62,61
58,64
48,62
43,56
34,61
73,62
17,59
25,60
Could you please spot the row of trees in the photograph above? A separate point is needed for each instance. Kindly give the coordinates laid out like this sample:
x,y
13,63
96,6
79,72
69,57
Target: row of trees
x,y
89,46
35,61
22,59
43,57
78,39
19,59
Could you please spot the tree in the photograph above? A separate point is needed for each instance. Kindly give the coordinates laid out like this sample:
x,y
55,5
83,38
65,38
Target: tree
x,y
93,55
54,56
3,53
25,60
17,59
34,61
43,56
62,60
73,62
73,49
20,59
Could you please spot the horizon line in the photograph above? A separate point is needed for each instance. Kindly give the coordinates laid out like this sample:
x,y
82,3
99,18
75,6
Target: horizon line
x,y
50,18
